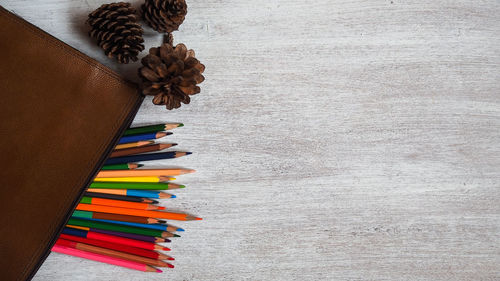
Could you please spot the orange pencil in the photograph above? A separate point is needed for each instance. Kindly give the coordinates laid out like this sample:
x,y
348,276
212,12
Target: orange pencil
x,y
143,173
119,203
135,212
133,144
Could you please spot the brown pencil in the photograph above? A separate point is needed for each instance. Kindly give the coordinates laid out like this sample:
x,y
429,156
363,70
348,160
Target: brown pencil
x,y
141,149
112,253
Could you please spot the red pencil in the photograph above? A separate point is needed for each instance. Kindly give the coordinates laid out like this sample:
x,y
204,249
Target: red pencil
x,y
114,239
111,253
118,247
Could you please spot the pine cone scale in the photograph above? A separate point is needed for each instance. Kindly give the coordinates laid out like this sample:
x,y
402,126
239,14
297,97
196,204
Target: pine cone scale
x,y
149,74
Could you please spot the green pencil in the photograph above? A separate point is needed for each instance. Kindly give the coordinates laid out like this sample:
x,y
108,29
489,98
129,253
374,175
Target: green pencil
x,y
114,217
121,228
129,166
136,185
152,128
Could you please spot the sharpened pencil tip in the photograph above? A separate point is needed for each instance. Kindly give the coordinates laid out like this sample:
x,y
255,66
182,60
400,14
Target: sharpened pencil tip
x,y
187,153
167,240
175,235
180,229
168,133
166,249
171,259
162,221
182,186
173,196
157,270
161,208
170,265
139,165
174,144
180,125
198,219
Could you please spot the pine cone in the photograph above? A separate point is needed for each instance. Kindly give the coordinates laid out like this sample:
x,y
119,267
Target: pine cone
x,y
171,74
116,29
164,15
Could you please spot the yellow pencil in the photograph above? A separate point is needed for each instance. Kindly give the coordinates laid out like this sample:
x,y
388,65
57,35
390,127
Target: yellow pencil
x,y
135,179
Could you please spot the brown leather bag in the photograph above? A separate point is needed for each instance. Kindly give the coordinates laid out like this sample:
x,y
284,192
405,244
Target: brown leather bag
x,y
61,113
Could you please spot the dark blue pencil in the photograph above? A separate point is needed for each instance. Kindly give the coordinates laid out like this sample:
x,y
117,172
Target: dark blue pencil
x,y
143,137
145,157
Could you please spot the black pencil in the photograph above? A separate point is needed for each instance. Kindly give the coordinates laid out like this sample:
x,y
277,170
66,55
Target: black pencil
x,y
145,157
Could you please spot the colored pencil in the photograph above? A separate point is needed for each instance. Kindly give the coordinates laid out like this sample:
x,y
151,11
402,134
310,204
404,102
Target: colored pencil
x,y
141,149
146,157
113,239
152,128
135,179
104,259
119,203
120,228
133,192
111,253
133,144
119,197
143,137
162,227
143,173
129,166
118,247
114,217
136,185
135,212
139,237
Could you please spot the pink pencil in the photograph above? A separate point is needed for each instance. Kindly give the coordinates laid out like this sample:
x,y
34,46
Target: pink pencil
x,y
103,258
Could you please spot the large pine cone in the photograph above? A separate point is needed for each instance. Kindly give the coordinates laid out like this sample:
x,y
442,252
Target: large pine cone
x,y
116,29
164,15
171,74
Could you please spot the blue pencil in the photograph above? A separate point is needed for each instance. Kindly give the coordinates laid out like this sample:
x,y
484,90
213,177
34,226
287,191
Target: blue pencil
x,y
143,137
162,227
145,157
148,193
75,232
136,193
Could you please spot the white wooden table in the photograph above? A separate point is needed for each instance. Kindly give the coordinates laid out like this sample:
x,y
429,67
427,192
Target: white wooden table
x,y
334,140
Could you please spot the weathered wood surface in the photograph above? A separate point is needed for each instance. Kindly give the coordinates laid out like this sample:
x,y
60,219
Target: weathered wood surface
x,y
335,140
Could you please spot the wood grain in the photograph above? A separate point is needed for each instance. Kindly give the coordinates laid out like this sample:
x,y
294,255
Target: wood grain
x,y
335,140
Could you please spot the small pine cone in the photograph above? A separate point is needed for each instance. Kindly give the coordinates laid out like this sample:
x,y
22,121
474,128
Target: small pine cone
x,y
116,30
170,74
164,15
